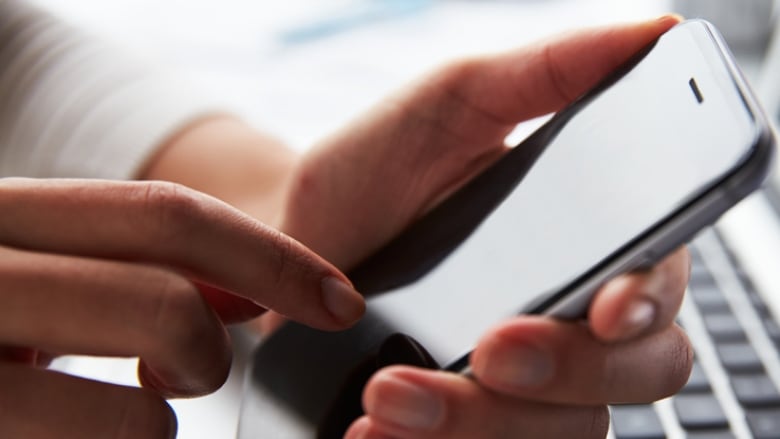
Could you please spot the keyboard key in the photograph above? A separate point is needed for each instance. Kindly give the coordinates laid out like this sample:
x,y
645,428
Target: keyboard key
x,y
700,275
698,381
742,275
699,411
758,303
739,357
772,329
709,299
711,434
636,422
724,326
695,254
764,424
755,390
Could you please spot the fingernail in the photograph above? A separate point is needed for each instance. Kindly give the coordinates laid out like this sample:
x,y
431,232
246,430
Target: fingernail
x,y
638,317
517,366
343,302
671,16
406,404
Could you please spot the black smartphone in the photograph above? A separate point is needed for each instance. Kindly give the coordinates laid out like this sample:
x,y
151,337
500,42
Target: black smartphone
x,y
615,181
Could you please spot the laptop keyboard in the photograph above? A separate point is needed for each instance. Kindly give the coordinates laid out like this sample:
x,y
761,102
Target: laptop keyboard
x,y
733,388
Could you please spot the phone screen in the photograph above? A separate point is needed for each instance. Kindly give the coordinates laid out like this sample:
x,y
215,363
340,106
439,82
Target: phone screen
x,y
649,149
634,154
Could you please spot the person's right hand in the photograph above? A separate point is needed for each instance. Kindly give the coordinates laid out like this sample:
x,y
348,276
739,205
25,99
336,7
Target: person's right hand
x,y
116,269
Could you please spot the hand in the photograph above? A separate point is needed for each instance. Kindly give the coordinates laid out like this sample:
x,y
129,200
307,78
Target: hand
x,y
534,376
370,180
113,269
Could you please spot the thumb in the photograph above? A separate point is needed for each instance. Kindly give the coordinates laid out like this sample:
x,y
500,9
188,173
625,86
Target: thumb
x,y
422,143
544,77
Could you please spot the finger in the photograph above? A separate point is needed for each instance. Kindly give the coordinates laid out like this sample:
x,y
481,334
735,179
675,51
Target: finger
x,y
546,360
42,404
27,356
268,323
541,78
641,302
18,354
167,224
402,402
95,307
229,307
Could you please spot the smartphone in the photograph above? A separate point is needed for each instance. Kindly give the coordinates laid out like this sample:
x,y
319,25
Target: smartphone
x,y
618,179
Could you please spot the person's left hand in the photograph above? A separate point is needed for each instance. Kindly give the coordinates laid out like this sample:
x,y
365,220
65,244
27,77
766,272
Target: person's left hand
x,y
533,375
368,181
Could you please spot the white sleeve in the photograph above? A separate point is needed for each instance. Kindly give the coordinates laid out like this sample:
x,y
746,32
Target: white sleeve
x,y
71,106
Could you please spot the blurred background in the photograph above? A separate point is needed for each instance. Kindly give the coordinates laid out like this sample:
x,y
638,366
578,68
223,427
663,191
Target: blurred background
x,y
302,68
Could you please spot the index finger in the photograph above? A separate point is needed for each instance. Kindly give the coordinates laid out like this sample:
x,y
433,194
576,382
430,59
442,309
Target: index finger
x,y
640,302
170,225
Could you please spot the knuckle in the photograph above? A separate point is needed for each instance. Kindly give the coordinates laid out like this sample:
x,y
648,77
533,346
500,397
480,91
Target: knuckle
x,y
170,206
455,79
455,94
289,263
167,195
283,255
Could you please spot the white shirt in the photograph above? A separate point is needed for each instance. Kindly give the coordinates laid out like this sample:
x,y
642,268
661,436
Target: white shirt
x,y
72,106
